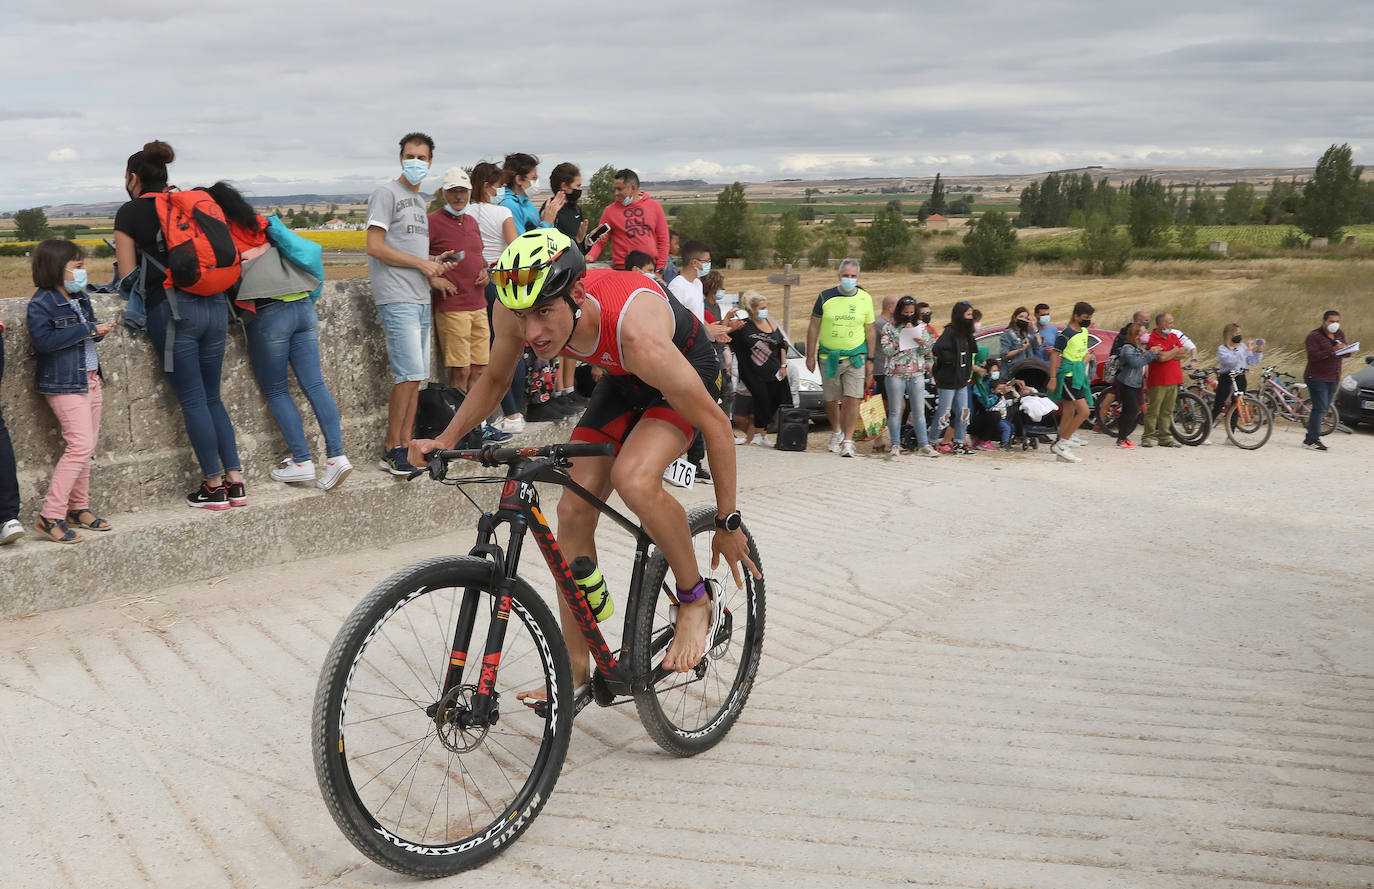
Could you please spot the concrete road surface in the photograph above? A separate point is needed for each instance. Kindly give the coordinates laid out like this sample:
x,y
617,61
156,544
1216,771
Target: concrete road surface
x,y
1150,670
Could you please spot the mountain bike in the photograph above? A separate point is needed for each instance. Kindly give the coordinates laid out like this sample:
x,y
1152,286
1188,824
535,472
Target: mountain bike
x,y
1283,394
1247,420
425,759
1189,425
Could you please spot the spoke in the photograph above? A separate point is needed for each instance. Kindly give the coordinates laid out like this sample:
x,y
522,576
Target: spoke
x,y
420,646
384,716
432,809
378,694
387,636
409,745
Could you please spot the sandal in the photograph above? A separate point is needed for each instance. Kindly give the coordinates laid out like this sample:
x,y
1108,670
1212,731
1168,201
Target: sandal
x,y
96,523
57,530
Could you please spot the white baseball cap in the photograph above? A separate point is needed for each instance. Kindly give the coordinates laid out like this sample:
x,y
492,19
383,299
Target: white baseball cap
x,y
456,177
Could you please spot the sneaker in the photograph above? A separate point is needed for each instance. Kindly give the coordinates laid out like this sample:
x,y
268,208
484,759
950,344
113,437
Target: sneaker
x,y
703,475
927,451
209,498
11,531
740,439
514,425
846,448
960,449
1064,453
990,446
1315,445
1207,440
1147,442
395,462
336,469
1076,441
1171,443
1126,445
945,449
237,495
1004,446
490,434
291,471
836,439
761,441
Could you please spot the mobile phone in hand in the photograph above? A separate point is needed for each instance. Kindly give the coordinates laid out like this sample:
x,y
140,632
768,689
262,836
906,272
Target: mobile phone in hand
x,y
598,233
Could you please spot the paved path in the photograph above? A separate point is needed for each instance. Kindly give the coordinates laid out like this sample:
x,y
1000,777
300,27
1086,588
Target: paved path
x,y
1160,687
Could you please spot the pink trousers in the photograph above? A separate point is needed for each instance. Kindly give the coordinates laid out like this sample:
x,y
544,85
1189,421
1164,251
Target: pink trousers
x,y
79,416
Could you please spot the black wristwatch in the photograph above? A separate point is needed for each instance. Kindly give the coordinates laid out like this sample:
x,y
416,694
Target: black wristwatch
x,y
732,522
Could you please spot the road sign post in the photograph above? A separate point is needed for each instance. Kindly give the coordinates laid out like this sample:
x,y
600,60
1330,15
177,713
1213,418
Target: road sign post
x,y
786,279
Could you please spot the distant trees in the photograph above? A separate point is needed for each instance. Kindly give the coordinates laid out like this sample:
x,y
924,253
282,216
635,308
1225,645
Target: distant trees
x,y
886,239
31,224
789,242
1150,215
936,203
1333,198
1052,201
1104,250
1238,204
990,247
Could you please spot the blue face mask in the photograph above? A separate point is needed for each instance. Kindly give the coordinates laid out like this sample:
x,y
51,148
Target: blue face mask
x,y
78,282
453,212
763,313
414,170
629,200
705,268
848,285
996,375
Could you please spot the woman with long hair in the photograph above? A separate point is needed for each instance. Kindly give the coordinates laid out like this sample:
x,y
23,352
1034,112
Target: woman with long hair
x,y
761,352
953,355
906,343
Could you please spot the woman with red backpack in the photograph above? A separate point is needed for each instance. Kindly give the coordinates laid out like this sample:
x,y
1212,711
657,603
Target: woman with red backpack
x,y
188,329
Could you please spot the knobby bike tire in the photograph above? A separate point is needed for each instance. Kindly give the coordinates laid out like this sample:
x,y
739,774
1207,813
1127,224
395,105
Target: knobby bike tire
x,y
1108,416
686,713
408,797
1192,420
1271,401
1248,422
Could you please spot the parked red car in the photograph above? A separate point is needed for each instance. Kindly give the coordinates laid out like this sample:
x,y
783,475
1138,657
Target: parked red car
x,y
1099,340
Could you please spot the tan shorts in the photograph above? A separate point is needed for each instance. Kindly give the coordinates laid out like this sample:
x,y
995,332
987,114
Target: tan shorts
x,y
848,381
464,338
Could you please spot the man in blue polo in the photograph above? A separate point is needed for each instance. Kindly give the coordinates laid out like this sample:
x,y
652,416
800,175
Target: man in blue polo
x,y
841,337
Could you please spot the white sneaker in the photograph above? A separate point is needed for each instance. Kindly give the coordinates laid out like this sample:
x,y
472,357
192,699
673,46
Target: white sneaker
x,y
761,441
740,439
1062,451
291,471
514,425
928,451
1074,441
11,531
846,448
836,438
335,471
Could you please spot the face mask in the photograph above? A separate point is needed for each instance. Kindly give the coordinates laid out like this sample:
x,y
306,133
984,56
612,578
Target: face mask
x,y
906,319
533,187
996,374
574,196
630,199
414,170
925,317
1235,339
78,282
1333,326
1044,319
453,212
848,285
705,268
650,275
763,313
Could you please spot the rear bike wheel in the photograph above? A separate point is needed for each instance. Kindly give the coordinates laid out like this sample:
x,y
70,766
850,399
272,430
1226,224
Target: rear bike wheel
x,y
1110,417
411,783
1192,421
1330,420
1271,401
1248,422
686,713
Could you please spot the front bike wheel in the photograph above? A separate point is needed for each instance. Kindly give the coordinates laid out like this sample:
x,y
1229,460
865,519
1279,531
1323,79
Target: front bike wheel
x,y
1248,422
1191,420
1108,416
410,781
686,713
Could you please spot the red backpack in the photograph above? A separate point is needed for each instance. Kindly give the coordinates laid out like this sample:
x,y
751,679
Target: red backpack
x,y
201,255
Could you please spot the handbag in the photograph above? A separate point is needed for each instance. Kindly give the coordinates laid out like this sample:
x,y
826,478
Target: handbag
x,y
872,418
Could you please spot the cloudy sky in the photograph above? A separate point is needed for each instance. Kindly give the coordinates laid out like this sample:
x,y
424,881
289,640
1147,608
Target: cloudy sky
x,y
293,96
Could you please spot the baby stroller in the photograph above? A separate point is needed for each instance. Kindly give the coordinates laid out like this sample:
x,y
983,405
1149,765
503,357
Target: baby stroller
x,y
1035,373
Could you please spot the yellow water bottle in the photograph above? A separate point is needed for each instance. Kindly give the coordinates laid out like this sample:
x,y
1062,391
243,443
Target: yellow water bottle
x,y
593,585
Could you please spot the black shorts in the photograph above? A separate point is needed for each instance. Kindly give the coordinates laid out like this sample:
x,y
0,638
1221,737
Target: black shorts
x,y
619,402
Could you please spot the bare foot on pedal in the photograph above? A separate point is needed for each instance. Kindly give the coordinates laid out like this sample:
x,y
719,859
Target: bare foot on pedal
x,y
532,698
689,637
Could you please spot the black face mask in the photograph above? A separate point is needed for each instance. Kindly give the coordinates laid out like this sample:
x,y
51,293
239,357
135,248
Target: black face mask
x,y
906,319
925,316
1235,339
574,195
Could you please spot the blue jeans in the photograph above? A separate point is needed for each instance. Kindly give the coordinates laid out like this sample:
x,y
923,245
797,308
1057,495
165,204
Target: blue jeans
x,y
1323,391
288,333
951,409
197,360
913,389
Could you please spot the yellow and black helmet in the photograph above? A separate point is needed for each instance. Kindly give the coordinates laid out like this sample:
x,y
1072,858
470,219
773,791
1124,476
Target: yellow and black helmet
x,y
536,267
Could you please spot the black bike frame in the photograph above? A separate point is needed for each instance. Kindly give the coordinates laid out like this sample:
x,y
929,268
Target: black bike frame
x,y
519,508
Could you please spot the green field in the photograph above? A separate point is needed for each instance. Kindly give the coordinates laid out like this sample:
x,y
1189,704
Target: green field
x,y
1264,236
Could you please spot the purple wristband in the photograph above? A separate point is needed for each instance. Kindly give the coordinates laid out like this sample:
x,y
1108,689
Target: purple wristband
x,y
687,597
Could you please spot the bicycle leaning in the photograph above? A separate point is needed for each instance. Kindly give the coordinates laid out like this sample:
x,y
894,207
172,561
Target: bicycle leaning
x,y
425,759
1247,419
1282,394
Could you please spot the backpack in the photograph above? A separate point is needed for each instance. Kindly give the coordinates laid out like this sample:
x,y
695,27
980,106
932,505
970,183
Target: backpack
x,y
434,411
201,256
1110,368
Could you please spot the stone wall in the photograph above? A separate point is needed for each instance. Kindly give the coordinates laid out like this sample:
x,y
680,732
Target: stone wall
x,y
144,457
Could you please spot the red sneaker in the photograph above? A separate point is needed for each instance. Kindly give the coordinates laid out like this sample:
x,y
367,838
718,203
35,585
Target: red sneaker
x,y
1126,445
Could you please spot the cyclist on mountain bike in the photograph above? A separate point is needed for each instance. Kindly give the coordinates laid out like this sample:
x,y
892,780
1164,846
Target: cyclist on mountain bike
x,y
660,385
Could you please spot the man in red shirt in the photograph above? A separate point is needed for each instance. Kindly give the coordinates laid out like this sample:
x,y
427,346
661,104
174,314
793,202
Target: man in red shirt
x,y
1164,376
637,223
459,294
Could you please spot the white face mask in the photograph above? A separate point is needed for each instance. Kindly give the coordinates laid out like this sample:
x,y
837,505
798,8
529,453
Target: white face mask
x,y
533,187
1333,326
763,313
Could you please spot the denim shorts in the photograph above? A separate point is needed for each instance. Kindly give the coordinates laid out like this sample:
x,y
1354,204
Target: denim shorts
x,y
407,340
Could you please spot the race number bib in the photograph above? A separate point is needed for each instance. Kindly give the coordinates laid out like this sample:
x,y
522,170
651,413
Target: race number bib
x,y
680,473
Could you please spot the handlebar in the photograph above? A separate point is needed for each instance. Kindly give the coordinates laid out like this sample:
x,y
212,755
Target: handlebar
x,y
490,455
